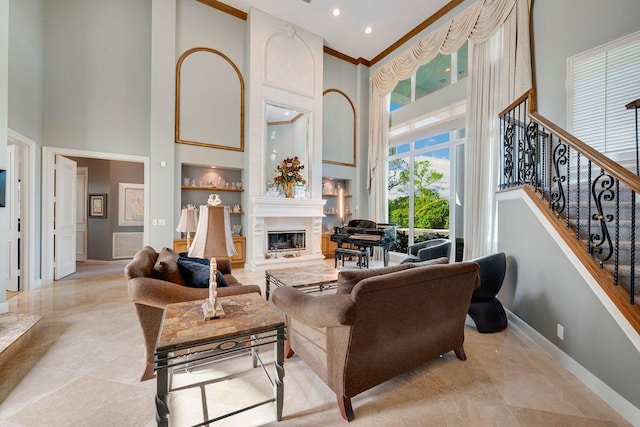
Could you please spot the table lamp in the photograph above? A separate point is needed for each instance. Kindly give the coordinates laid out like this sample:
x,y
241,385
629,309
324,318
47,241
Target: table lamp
x,y
213,239
188,222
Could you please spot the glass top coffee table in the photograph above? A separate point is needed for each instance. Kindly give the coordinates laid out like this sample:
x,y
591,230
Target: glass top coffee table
x,y
313,278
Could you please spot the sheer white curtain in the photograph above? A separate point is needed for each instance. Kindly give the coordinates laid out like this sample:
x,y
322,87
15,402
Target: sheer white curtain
x,y
512,68
378,153
482,146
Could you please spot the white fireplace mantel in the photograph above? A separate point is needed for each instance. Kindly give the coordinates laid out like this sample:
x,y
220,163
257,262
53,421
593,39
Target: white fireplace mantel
x,y
279,214
286,66
280,207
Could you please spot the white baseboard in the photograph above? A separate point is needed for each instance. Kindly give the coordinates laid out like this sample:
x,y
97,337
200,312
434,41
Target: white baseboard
x,y
4,307
35,284
595,384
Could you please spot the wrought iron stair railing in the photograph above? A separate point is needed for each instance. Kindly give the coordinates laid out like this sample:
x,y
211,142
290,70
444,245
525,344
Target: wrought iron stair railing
x,y
593,195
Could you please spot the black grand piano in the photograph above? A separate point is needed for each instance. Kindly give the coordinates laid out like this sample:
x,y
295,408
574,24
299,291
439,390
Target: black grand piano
x,y
366,234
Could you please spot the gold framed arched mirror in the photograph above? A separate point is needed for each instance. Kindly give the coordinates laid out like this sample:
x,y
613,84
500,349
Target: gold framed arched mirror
x,y
338,128
209,100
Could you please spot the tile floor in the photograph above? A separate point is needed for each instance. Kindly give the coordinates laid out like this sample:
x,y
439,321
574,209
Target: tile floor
x,y
87,353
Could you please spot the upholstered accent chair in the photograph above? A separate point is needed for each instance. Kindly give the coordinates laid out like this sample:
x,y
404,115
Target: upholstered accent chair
x,y
154,281
429,249
485,309
380,323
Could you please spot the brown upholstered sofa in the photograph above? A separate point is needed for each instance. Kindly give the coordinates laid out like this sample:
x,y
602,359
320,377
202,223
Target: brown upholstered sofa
x,y
150,293
381,323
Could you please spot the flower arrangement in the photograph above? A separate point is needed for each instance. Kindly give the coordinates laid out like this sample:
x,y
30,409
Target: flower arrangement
x,y
289,171
288,174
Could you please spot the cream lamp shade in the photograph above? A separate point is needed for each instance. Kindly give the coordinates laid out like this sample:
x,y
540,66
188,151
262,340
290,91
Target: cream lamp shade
x,y
188,220
213,235
213,239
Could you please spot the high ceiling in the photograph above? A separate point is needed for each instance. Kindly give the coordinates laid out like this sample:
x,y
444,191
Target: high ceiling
x,y
389,20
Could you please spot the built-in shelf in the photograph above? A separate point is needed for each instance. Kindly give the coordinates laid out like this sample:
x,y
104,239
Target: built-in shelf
x,y
228,185
331,188
336,195
231,190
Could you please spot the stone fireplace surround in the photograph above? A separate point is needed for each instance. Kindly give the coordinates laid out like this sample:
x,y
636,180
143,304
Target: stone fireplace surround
x,y
278,214
285,68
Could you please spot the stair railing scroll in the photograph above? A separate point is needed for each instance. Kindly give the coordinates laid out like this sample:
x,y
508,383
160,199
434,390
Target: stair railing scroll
x,y
560,160
601,190
551,160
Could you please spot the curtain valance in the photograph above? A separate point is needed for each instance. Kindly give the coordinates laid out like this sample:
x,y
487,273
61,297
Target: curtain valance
x,y
476,23
499,70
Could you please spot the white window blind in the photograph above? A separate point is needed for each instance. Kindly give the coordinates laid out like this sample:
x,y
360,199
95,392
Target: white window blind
x,y
601,82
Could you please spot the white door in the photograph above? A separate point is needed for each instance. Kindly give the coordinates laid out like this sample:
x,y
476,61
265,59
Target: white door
x,y
82,179
13,204
64,234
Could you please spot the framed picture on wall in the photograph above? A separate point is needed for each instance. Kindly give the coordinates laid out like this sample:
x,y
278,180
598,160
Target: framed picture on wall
x,y
130,204
97,205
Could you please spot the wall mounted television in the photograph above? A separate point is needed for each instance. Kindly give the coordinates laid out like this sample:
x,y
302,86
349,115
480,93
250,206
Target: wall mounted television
x,y
3,186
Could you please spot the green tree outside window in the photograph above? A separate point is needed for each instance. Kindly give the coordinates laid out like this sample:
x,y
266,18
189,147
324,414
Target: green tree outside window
x,y
431,210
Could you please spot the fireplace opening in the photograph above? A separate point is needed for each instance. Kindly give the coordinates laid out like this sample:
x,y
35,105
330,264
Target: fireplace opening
x,y
289,243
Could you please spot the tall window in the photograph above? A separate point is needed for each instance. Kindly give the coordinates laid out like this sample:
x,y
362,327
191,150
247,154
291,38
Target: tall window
x,y
443,70
425,184
601,82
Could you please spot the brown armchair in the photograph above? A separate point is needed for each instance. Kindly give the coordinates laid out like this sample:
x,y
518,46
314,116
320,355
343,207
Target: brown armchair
x,y
381,323
151,294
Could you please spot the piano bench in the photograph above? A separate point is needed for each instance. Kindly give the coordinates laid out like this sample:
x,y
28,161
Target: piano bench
x,y
362,254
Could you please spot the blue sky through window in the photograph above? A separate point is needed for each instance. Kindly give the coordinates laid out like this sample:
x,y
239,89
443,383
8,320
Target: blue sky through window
x,y
432,140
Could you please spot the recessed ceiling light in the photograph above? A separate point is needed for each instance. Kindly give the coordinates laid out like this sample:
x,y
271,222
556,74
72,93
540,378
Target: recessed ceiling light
x,y
368,30
336,12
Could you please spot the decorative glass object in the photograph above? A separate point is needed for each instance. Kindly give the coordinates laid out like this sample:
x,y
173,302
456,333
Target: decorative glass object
x,y
287,188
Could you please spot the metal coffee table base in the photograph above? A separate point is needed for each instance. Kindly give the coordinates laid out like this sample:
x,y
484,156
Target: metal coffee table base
x,y
315,278
187,341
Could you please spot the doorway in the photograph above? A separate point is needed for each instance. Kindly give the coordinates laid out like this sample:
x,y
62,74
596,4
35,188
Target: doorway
x,y
82,183
48,165
21,196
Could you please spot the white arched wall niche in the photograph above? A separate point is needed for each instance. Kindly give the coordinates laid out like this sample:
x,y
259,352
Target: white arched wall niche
x,y
280,70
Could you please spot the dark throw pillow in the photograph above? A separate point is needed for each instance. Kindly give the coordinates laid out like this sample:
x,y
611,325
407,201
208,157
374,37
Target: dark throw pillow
x,y
166,267
196,274
185,256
